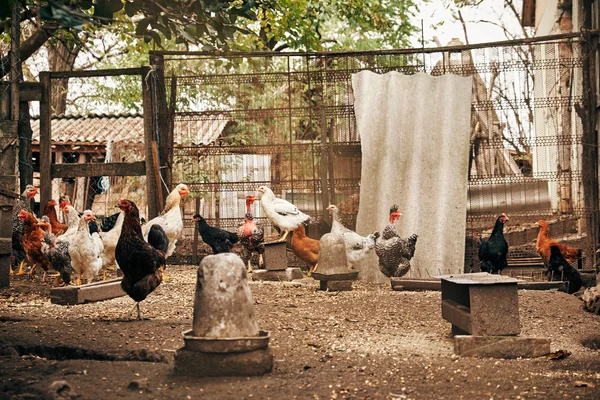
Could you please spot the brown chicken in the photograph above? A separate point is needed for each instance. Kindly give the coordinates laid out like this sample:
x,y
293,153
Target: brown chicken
x,y
50,211
32,243
545,242
305,248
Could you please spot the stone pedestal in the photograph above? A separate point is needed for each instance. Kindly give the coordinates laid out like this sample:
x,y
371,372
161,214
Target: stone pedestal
x,y
225,338
5,250
500,346
275,256
332,270
285,276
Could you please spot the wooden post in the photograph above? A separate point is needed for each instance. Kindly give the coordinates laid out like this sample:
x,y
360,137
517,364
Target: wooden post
x,y
161,117
323,167
196,232
151,187
45,139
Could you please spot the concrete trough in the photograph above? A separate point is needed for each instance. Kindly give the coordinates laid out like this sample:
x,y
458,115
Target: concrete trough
x,y
89,293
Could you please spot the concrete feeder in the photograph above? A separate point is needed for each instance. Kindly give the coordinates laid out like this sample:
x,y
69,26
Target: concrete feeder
x,y
276,265
332,269
225,338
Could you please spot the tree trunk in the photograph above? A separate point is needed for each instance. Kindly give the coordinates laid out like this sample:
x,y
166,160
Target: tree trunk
x,y
61,58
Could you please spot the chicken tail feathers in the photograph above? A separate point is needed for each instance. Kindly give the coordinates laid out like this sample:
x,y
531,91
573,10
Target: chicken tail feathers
x,y
139,290
158,238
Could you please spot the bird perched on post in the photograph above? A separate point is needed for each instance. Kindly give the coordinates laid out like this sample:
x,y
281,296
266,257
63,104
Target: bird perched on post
x,y
18,252
170,217
282,213
142,264
251,235
394,252
492,252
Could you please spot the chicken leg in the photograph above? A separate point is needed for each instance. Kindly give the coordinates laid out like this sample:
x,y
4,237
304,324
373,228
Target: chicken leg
x,y
313,269
284,237
78,280
249,269
139,312
21,267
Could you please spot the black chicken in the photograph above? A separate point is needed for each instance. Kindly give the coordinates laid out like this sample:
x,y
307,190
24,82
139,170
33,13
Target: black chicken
x,y
157,237
493,252
559,268
18,255
219,240
142,264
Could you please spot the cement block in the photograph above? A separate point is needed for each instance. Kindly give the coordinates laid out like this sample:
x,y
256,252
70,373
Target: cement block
x,y
198,364
4,270
336,286
500,346
275,256
286,275
96,291
494,310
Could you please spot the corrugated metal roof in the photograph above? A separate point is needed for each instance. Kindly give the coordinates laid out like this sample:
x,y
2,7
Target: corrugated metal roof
x,y
97,129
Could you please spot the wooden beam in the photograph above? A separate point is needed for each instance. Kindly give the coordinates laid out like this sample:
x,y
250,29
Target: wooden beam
x,y
159,192
30,91
151,187
137,168
95,73
91,292
45,139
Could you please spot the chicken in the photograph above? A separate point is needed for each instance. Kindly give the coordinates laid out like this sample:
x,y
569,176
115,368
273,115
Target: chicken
x,y
559,267
492,252
282,213
251,236
305,248
394,252
57,253
50,211
72,223
18,253
109,240
45,224
544,242
32,239
111,221
142,264
170,217
219,240
357,247
86,250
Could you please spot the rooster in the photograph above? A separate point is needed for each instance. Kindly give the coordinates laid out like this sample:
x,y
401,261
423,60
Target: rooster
x,y
86,250
170,217
141,263
18,253
558,266
492,252
394,253
32,239
305,248
357,247
282,213
251,235
545,242
50,211
219,240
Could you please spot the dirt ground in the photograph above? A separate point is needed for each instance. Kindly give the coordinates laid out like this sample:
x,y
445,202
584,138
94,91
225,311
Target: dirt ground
x,y
370,343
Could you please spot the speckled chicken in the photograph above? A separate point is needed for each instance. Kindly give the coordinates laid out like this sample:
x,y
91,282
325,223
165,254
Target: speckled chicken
x,y
357,247
18,254
57,253
251,236
394,252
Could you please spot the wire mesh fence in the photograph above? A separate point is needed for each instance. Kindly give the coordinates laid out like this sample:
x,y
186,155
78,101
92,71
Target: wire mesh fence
x,y
287,121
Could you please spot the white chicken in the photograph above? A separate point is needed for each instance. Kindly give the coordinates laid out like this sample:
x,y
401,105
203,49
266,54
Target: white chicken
x,y
170,217
109,240
281,212
72,222
86,250
357,247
